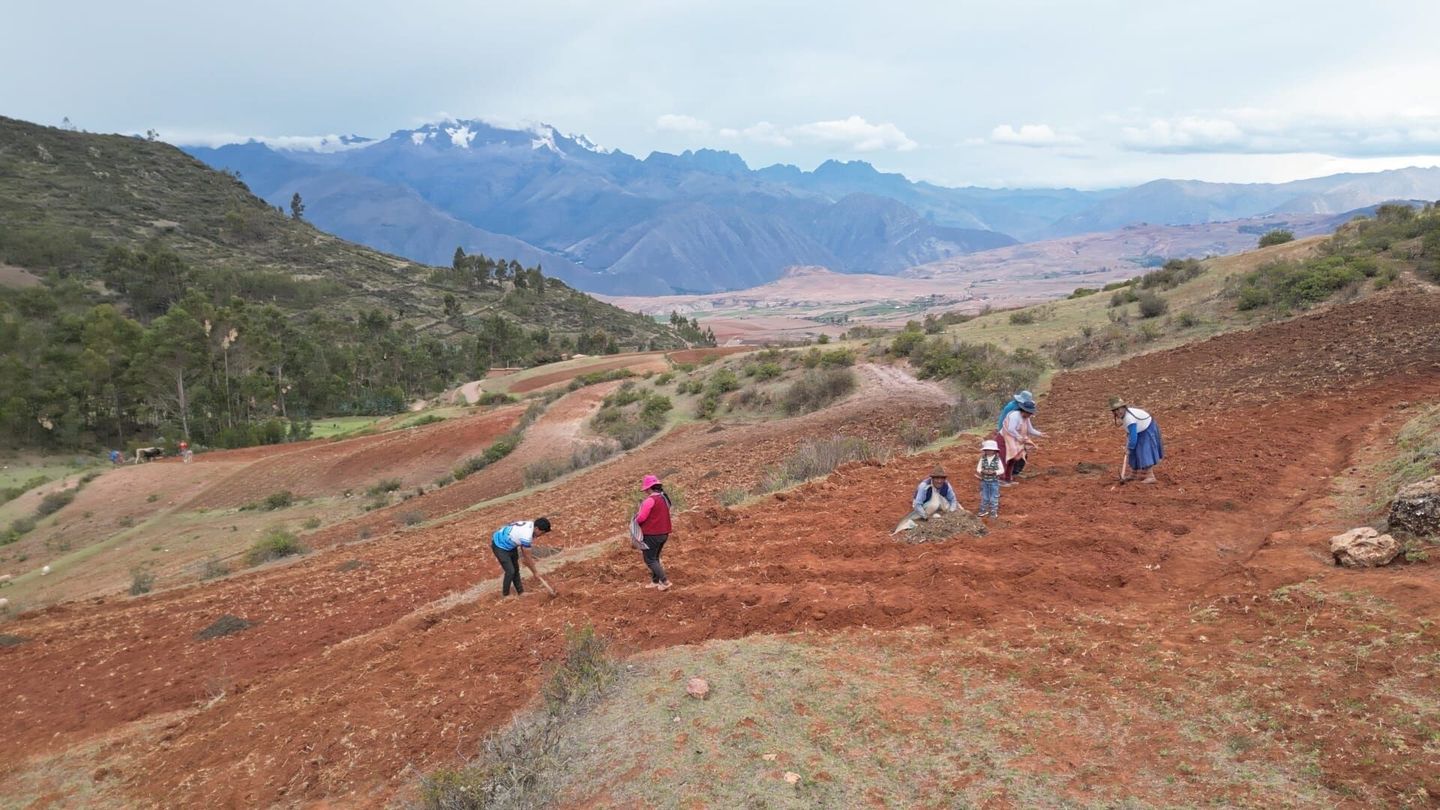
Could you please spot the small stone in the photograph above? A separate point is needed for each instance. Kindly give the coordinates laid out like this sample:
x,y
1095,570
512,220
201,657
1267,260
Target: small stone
x,y
769,757
1363,548
792,777
697,688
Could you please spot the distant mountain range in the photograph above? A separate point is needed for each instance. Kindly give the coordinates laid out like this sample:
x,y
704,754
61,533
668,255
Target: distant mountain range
x,y
704,221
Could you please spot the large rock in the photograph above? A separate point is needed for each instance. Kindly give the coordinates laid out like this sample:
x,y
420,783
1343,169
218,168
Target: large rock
x,y
1363,548
1416,508
697,688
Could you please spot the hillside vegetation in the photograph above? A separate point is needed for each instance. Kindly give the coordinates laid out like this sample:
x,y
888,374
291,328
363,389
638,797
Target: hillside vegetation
x,y
1190,299
176,304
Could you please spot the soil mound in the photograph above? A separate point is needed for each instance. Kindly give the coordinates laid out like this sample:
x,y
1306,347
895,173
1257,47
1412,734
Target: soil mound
x,y
223,626
945,526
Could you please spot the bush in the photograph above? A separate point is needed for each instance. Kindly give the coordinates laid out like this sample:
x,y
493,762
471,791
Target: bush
x,y
1123,297
412,518
913,436
275,500
11,493
546,470
905,342
818,388
310,524
469,467
979,369
732,496
665,378
1022,318
445,480
707,407
837,358
1152,305
495,398
54,502
213,568
1174,273
815,459
1278,236
427,419
385,486
1291,285
722,381
628,424
503,446
142,580
764,371
275,545
1083,292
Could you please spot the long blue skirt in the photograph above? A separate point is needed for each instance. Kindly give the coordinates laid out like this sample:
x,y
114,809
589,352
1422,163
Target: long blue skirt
x,y
1148,448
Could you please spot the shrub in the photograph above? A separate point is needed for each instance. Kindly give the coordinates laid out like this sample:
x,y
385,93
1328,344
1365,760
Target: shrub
x,y
385,486
427,419
837,358
54,502
980,369
815,459
445,480
412,518
1152,305
545,470
823,339
502,447
11,493
213,568
1276,237
586,672
275,545
1291,285
818,388
1174,273
142,580
310,524
1123,297
913,436
665,378
495,398
1187,320
23,525
905,342
1083,292
1022,318
722,381
764,371
630,425
707,406
469,466
278,500
732,496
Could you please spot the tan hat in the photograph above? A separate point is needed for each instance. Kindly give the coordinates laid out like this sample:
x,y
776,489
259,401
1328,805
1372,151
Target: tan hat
x,y
1116,403
938,472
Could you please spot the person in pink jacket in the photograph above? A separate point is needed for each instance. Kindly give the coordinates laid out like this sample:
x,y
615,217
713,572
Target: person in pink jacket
x,y
651,528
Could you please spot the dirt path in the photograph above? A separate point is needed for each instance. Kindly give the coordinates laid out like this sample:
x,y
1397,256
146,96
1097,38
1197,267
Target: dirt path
x,y
308,718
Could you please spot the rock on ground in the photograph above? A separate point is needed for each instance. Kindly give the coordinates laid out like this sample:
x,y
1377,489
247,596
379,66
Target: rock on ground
x,y
1416,508
697,688
1363,548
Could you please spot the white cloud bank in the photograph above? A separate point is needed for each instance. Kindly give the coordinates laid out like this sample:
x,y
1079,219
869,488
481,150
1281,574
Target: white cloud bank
x,y
1415,132
854,134
1035,136
673,122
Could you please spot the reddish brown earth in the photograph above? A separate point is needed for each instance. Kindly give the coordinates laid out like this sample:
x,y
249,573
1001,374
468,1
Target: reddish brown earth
x,y
415,456
347,685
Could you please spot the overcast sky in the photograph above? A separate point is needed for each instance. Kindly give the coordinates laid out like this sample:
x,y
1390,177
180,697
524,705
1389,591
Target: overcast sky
x,y
1010,92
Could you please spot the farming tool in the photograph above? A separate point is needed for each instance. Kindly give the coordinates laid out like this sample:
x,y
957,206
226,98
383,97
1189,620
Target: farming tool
x,y
546,585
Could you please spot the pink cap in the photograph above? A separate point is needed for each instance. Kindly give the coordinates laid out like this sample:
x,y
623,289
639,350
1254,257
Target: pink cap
x,y
649,482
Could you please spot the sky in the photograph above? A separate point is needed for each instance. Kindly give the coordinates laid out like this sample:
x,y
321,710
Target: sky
x,y
1016,93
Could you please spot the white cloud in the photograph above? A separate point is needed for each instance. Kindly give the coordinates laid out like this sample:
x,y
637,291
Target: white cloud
x,y
1413,132
293,143
1031,135
855,133
672,122
763,132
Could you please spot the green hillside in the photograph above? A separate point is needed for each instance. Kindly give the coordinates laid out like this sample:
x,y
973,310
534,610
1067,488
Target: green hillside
x,y
67,197
147,298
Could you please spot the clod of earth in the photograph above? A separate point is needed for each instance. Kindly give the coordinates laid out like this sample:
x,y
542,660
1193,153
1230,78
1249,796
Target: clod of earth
x,y
1363,548
1416,508
698,688
7,640
944,526
223,626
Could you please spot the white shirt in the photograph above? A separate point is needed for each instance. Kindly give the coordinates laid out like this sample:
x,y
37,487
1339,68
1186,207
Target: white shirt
x,y
1140,419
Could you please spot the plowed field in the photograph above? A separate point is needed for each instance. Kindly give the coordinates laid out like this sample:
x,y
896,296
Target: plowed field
x,y
348,684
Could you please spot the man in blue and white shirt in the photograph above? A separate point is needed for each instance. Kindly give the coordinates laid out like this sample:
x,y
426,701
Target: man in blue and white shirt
x,y
511,545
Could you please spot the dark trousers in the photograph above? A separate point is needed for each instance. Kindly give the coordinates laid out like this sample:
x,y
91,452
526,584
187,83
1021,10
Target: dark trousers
x,y
654,543
510,562
1017,466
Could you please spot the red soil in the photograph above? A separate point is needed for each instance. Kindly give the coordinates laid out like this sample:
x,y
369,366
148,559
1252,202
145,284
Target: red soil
x,y
638,363
347,684
415,456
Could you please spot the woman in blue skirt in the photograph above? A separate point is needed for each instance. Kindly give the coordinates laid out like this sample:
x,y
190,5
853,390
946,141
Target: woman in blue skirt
x,y
1143,446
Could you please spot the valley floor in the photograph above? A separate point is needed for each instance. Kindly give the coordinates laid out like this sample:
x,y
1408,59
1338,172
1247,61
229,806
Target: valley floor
x,y
1182,644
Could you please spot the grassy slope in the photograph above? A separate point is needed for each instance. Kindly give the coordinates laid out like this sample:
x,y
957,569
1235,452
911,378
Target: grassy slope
x,y
1201,296
99,190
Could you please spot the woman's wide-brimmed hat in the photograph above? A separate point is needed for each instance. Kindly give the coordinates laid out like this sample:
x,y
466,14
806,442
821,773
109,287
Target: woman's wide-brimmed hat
x,y
650,481
1116,403
1027,407
990,444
